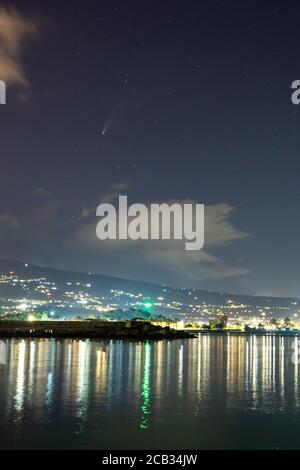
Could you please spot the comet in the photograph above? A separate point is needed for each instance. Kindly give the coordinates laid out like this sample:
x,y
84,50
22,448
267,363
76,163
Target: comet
x,y
108,124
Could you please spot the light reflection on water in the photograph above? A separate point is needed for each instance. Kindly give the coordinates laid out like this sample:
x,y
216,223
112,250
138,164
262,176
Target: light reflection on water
x,y
209,392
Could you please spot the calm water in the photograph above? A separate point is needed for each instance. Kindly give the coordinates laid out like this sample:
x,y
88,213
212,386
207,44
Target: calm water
x,y
208,392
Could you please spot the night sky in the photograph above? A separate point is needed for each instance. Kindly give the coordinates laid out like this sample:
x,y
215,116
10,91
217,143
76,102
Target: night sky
x,y
195,98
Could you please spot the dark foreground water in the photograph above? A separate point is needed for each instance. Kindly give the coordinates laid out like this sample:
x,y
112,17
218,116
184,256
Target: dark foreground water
x,y
212,392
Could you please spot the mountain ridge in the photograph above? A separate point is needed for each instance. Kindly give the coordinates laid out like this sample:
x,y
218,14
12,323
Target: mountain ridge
x,y
151,288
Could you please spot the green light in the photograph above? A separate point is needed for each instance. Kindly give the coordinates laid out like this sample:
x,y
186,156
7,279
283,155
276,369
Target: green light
x,y
145,408
148,305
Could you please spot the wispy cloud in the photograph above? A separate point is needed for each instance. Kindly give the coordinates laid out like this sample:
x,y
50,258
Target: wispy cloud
x,y
156,256
15,31
108,196
9,221
72,241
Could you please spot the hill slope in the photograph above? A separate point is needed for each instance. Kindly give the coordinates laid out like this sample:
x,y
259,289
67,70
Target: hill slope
x,y
29,287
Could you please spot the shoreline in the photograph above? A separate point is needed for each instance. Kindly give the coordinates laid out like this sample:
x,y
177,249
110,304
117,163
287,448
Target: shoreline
x,y
131,329
247,333
91,329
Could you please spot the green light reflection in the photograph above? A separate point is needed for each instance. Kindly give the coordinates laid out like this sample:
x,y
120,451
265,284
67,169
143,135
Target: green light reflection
x,y
145,408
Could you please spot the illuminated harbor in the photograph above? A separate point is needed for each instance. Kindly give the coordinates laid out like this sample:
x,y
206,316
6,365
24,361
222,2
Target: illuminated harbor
x,y
31,293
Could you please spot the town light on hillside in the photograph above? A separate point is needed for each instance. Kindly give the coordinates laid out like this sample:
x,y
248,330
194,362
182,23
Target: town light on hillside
x,y
31,318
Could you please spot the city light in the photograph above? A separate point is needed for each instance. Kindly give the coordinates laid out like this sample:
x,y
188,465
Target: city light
x,y
148,305
31,318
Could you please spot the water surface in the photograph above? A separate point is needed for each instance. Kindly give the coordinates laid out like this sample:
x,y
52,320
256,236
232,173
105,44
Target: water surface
x,y
211,392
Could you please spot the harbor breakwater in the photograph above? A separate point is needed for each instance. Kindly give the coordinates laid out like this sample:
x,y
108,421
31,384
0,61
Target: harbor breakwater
x,y
88,329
